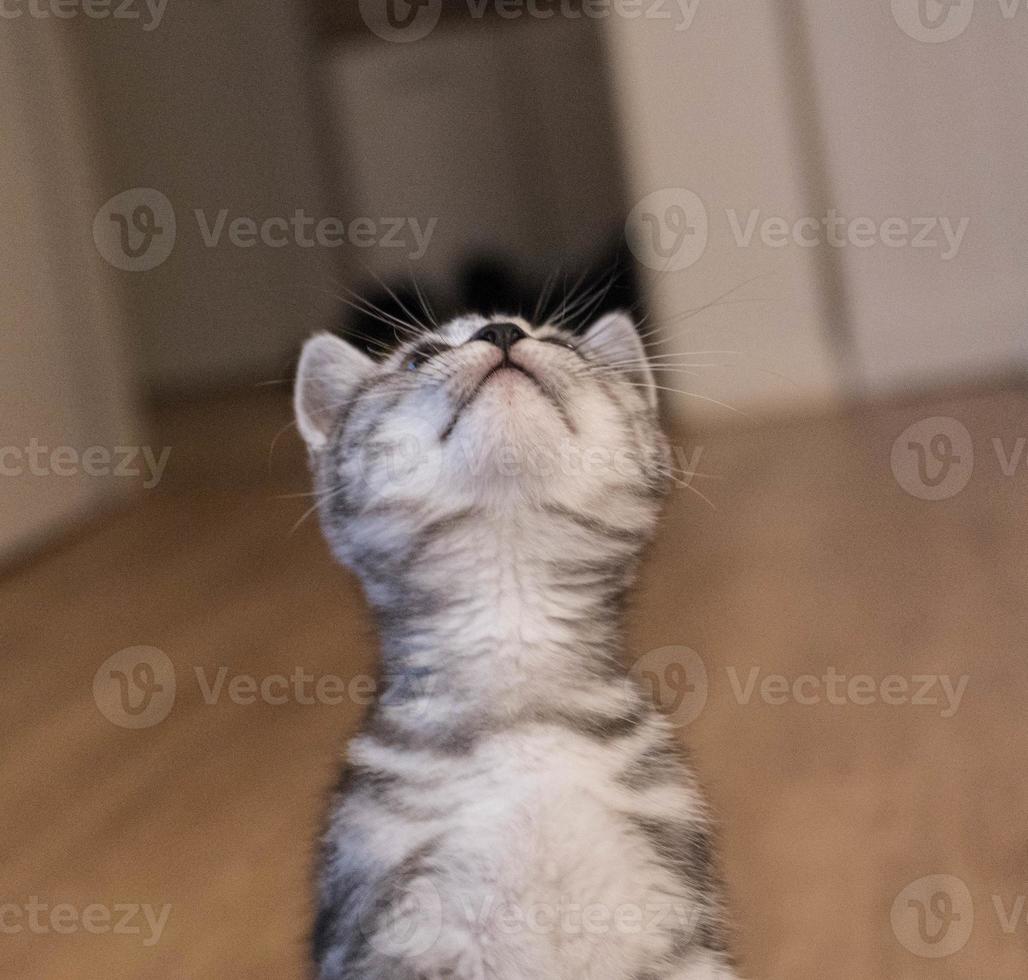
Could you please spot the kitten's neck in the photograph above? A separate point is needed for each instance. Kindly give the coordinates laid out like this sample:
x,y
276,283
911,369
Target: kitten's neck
x,y
495,618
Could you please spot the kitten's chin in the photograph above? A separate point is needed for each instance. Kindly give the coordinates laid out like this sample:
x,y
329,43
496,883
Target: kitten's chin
x,y
513,435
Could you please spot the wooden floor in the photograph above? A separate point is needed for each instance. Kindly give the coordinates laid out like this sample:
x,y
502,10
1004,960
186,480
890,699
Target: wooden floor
x,y
815,560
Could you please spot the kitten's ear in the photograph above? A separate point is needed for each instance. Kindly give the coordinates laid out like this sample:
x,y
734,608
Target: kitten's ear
x,y
614,340
329,371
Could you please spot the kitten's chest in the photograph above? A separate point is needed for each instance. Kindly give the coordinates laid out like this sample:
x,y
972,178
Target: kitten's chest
x,y
543,849
538,809
535,855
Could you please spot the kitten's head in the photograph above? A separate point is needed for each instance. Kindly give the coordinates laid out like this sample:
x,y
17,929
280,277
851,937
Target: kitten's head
x,y
489,415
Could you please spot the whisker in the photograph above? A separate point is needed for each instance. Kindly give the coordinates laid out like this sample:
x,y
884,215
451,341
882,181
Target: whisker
x,y
278,435
684,484
396,299
329,495
376,312
425,305
545,294
660,365
369,310
682,391
693,473
570,297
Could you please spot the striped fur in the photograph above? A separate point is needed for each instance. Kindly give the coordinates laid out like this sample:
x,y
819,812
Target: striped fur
x,y
513,808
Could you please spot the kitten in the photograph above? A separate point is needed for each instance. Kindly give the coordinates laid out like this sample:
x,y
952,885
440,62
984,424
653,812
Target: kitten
x,y
513,808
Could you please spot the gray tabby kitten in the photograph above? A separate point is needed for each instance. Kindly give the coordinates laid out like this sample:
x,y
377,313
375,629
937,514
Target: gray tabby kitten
x,y
514,808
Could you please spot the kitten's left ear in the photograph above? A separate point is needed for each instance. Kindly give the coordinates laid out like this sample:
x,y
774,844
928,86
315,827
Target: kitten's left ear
x,y
329,371
615,341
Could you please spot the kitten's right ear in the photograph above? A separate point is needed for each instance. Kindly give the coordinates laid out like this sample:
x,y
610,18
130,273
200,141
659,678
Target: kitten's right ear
x,y
330,370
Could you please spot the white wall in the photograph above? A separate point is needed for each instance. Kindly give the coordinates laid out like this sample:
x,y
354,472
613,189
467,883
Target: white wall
x,y
708,109
63,375
794,110
935,130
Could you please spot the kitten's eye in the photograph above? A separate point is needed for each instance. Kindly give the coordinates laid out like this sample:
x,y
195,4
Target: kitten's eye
x,y
421,354
415,359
